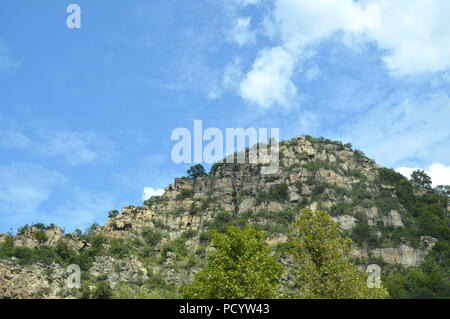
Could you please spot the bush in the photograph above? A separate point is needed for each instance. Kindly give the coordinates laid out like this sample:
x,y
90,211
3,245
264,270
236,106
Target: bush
x,y
220,222
153,200
185,193
63,250
151,236
40,236
118,248
102,291
279,192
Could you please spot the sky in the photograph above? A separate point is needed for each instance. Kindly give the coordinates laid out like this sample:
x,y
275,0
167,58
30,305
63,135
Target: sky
x,y
86,114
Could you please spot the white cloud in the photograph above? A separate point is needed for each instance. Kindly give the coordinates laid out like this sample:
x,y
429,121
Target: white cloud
x,y
215,92
231,78
232,74
313,73
413,37
243,3
439,173
11,138
269,81
302,22
391,132
26,190
7,63
76,147
24,187
415,34
81,209
149,192
241,33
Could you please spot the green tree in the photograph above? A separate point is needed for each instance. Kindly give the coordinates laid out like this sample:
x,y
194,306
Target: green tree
x,y
442,190
196,171
40,236
240,267
113,213
322,268
421,179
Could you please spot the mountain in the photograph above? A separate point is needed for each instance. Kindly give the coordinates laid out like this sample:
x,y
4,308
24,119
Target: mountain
x,y
150,251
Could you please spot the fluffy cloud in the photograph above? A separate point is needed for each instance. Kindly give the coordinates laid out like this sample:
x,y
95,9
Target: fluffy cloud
x,y
24,187
76,147
149,192
269,81
391,132
11,138
439,173
302,22
241,33
412,37
414,33
26,190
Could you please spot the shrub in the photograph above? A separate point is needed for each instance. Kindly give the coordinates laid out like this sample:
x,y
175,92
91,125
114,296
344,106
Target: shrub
x,y
63,250
40,236
153,200
220,222
279,192
118,248
185,193
102,291
151,236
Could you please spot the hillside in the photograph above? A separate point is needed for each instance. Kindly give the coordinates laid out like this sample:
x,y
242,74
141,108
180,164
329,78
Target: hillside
x,y
150,251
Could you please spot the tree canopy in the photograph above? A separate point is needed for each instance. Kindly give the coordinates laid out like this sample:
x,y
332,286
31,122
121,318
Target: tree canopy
x,y
196,171
240,267
421,179
322,268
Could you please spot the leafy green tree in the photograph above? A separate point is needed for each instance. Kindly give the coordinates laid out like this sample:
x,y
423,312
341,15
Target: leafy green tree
x,y
322,268
421,179
442,190
40,236
113,213
240,267
196,171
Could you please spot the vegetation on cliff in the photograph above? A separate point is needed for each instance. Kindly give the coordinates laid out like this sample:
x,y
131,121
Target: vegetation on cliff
x,y
151,251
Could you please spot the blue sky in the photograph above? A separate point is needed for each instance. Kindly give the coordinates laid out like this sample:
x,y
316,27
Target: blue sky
x,y
86,114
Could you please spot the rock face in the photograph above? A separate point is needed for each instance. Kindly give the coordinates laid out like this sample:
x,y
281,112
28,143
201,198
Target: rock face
x,y
405,254
346,222
313,173
34,281
53,236
116,271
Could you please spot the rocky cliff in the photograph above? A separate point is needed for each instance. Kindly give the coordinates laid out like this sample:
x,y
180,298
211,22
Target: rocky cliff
x,y
160,245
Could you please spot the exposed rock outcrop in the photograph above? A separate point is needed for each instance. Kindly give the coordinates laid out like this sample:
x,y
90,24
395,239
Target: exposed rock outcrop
x,y
315,174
